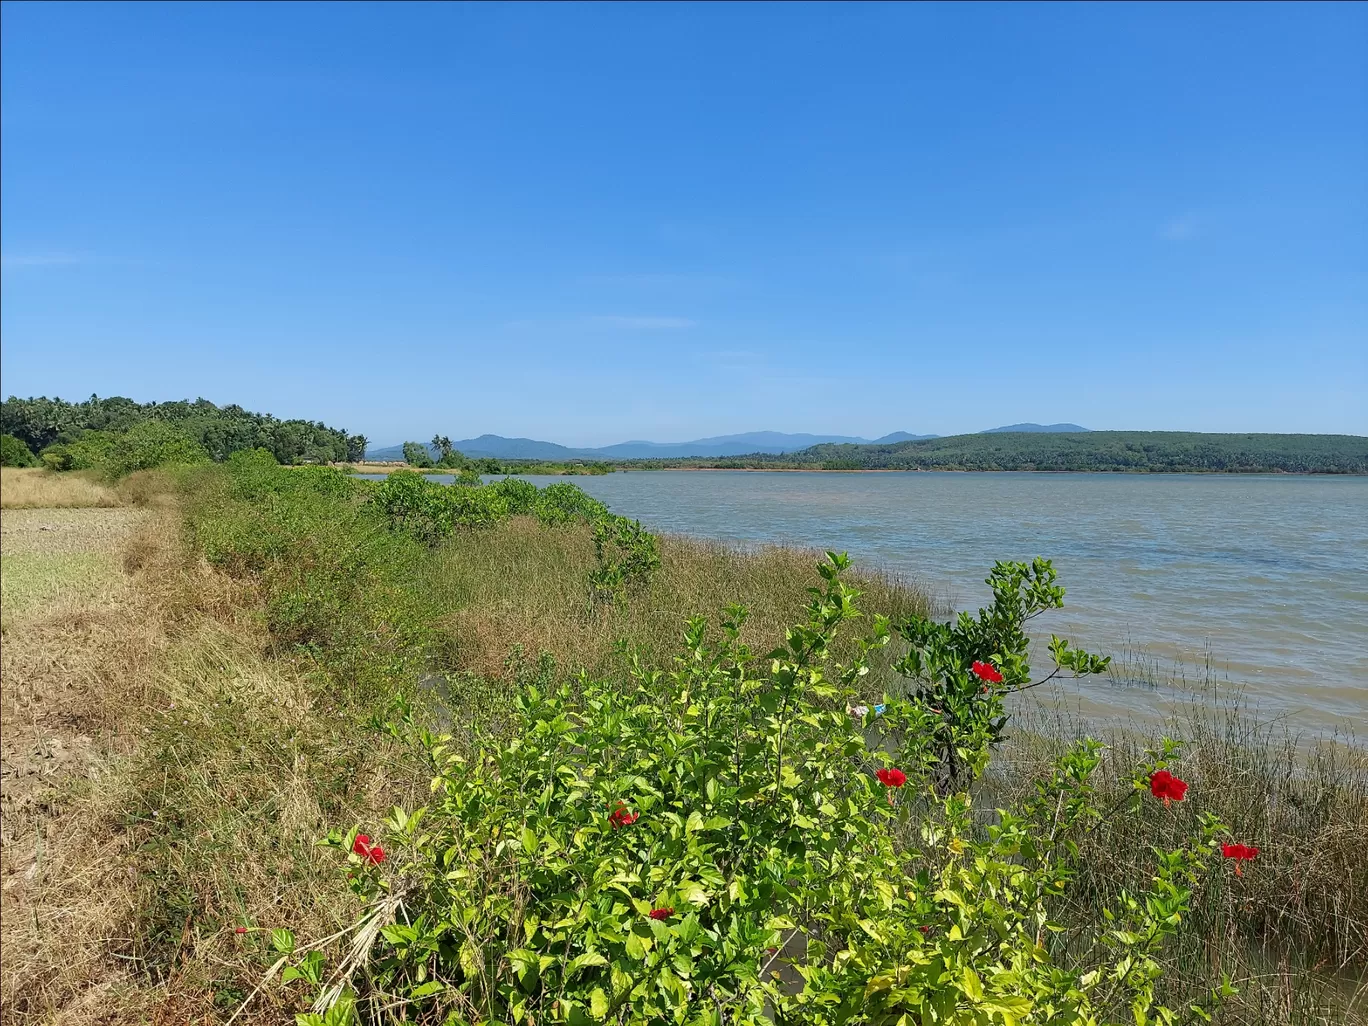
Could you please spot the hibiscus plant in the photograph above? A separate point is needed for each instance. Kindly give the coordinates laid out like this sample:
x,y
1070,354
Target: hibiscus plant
x,y
722,841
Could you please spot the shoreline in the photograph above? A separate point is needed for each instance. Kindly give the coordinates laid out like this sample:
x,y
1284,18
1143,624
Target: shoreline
x,y
376,467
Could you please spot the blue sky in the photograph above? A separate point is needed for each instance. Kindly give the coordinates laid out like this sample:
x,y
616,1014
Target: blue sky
x,y
594,223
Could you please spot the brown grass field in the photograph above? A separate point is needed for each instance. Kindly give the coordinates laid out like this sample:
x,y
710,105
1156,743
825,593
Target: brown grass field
x,y
30,488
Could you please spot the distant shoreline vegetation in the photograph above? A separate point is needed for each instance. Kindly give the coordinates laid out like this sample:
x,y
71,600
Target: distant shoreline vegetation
x,y
122,435
1154,452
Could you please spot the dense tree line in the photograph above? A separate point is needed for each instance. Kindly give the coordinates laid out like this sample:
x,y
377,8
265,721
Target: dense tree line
x,y
1135,451
42,422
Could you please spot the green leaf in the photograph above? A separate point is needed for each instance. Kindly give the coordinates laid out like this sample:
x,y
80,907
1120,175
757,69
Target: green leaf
x,y
973,986
598,1003
283,941
583,961
639,941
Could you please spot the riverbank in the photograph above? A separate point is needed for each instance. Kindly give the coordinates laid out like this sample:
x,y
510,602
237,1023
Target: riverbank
x,y
231,659
766,468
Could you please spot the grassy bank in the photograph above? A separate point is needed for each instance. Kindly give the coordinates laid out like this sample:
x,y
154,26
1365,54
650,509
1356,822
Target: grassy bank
x,y
221,662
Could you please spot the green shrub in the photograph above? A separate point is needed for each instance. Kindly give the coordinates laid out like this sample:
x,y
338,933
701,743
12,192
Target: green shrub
x,y
89,452
14,453
657,853
147,445
521,495
144,446
562,503
333,573
625,555
944,661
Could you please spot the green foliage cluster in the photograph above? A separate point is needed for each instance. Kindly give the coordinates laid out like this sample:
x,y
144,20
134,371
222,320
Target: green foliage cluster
x,y
969,719
715,843
221,430
625,553
1126,451
440,455
416,454
15,453
145,445
430,511
332,572
326,544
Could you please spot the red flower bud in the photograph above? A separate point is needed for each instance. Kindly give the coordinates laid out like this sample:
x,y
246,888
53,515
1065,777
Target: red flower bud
x,y
662,913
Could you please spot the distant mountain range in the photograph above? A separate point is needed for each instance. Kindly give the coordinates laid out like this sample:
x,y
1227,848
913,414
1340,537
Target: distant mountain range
x,y
1037,428
775,442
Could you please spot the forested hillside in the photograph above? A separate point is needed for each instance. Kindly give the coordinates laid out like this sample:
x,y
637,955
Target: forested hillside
x,y
1137,451
42,422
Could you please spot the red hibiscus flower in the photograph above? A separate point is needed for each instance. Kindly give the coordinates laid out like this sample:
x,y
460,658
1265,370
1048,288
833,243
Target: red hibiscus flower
x,y
891,777
1239,853
988,672
373,853
1168,787
620,817
662,913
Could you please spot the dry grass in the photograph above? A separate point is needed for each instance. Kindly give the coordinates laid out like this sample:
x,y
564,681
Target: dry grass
x,y
522,586
165,781
75,654
29,488
68,558
1292,931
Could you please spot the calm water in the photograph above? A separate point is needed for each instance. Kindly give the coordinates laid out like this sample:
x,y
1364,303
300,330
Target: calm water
x,y
1265,576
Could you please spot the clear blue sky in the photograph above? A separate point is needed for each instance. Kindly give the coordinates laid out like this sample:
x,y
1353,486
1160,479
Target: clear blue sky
x,y
594,223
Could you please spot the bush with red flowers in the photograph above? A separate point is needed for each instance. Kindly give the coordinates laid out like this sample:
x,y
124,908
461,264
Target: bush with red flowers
x,y
961,671
647,853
